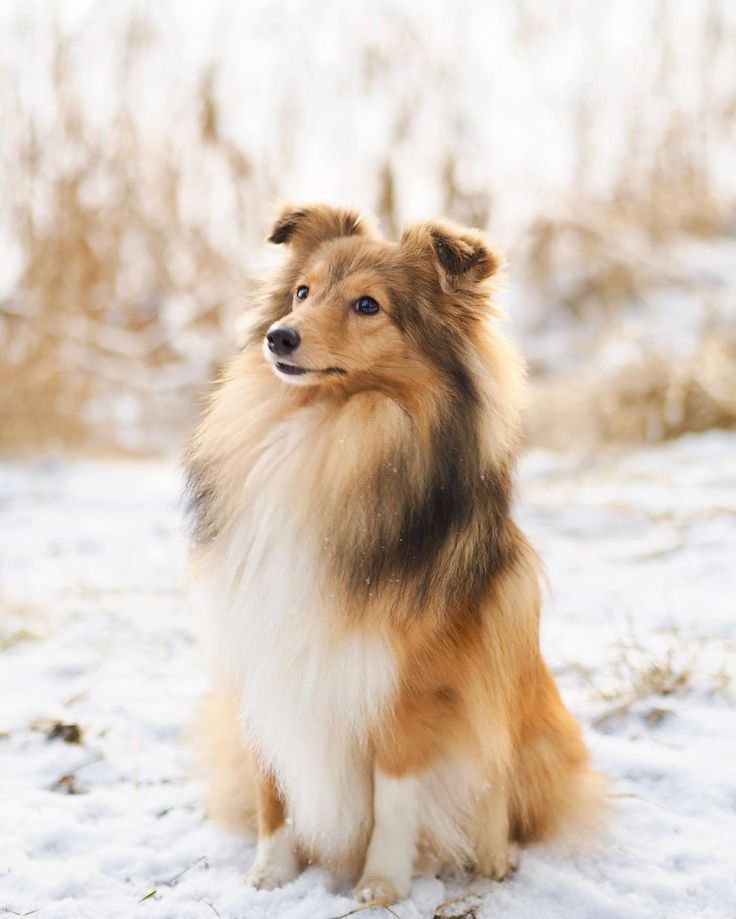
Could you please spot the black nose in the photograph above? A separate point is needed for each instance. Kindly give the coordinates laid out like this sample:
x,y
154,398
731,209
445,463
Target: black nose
x,y
283,340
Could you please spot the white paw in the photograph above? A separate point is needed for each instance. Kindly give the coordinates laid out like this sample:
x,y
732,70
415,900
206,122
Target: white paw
x,y
276,862
381,890
269,875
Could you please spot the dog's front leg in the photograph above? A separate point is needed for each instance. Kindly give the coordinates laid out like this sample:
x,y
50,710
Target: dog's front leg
x,y
496,855
276,862
392,849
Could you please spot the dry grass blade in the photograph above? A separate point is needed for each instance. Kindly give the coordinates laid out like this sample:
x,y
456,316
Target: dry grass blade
x,y
153,894
126,292
645,670
364,908
199,861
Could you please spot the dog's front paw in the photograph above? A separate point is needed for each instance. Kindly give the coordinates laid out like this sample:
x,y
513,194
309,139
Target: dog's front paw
x,y
269,874
276,862
381,891
263,877
499,866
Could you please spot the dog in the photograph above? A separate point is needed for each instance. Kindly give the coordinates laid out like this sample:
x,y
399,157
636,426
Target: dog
x,y
381,705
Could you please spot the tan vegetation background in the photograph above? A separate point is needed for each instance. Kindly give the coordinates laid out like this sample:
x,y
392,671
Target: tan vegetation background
x,y
143,146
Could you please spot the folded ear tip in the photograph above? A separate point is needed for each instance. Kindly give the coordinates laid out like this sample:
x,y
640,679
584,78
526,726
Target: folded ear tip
x,y
324,221
462,251
286,224
490,261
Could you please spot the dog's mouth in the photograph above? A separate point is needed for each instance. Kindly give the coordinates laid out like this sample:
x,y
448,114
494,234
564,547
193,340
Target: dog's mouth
x,y
295,370
290,369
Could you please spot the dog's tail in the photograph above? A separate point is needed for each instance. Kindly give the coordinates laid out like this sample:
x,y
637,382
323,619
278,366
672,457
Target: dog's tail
x,y
554,791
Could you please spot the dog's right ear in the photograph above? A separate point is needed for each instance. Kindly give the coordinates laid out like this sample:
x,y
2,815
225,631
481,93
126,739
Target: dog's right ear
x,y
305,228
463,257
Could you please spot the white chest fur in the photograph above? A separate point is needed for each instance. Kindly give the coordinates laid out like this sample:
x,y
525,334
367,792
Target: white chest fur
x,y
309,693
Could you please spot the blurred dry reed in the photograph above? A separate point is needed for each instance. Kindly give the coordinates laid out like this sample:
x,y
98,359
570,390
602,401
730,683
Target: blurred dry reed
x,y
126,298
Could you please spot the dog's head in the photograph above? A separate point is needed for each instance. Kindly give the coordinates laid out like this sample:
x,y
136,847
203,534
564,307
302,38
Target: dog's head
x,y
355,310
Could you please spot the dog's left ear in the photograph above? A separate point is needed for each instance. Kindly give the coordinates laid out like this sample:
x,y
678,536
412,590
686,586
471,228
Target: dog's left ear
x,y
463,257
304,228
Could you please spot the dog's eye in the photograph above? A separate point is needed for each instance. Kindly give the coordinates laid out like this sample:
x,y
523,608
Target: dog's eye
x,y
367,306
302,292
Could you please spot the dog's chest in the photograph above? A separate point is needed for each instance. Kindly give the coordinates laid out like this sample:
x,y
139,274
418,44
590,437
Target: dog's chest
x,y
309,691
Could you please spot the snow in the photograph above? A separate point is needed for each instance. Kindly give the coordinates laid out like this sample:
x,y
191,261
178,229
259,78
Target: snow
x,y
94,631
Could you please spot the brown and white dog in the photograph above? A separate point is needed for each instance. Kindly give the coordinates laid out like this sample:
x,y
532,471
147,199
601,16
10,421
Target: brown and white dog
x,y
381,698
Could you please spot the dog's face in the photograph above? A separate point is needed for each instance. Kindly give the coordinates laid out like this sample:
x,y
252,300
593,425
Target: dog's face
x,y
364,312
340,326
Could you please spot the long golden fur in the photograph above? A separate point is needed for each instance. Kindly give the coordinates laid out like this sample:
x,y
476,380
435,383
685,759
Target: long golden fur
x,y
353,529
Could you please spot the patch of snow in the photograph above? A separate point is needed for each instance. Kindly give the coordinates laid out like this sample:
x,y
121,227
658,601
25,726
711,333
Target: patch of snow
x,y
639,548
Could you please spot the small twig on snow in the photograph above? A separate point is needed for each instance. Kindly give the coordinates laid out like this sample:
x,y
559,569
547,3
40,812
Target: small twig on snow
x,y
360,909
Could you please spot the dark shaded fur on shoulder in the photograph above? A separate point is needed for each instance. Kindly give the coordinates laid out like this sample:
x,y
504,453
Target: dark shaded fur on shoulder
x,y
418,527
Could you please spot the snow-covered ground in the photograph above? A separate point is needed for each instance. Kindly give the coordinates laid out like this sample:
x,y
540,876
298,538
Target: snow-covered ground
x,y
641,554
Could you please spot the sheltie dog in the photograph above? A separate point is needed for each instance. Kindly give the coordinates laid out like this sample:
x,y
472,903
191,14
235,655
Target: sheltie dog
x,y
381,702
